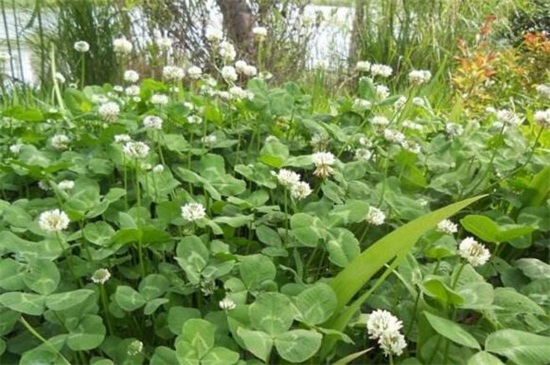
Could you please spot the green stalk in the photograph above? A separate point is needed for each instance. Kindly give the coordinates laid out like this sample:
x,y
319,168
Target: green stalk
x,y
31,329
140,240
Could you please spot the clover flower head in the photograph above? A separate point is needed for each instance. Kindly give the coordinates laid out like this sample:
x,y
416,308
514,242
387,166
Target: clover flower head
x,y
227,304
382,322
260,32
542,117
229,73
300,190
380,121
392,343
135,348
158,169
363,154
159,99
16,148
400,102
122,138
132,90
240,66
173,73
53,220
210,139
419,77
381,92
447,226
138,150
194,72
250,71
453,129
213,35
109,111
122,46
361,104
323,162
375,216
101,276
380,70
81,46
363,66
152,122
59,77
227,51
319,142
164,43
131,76
194,119
543,90
393,135
474,252
193,211
60,142
65,185
508,117
412,125
287,178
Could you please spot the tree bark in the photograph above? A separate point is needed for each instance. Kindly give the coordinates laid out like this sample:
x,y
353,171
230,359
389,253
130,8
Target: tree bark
x,y
238,21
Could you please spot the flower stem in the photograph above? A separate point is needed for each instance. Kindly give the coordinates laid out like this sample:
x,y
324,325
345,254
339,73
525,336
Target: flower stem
x,y
37,335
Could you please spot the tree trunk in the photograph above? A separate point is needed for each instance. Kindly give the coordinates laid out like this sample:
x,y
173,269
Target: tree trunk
x,y
238,21
356,37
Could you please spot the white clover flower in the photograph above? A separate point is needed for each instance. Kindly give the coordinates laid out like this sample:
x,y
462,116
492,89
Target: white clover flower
x,y
4,57
225,95
382,322
361,104
400,102
229,73
135,348
132,90
81,46
122,138
122,46
240,66
476,253
164,43
300,190
118,88
193,211
419,102
152,122
239,93
363,154
16,148
380,70
453,129
419,77
109,111
65,185
135,149
146,166
411,146
131,76
227,304
287,178
210,139
381,92
364,141
319,142
363,66
508,117
375,216
60,78
543,90
173,73
60,142
158,169
392,343
194,119
265,75
260,33
159,99
213,35
99,99
446,226
380,121
53,220
73,85
227,51
543,117
392,135
194,72
250,71
323,162
412,125
44,185
101,276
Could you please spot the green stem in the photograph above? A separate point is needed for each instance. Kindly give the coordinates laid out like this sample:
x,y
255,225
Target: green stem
x,y
37,335
103,294
138,214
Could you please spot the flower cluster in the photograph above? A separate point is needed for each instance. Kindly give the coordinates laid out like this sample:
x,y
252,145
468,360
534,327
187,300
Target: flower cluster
x,y
543,118
81,46
419,77
122,46
152,122
446,226
109,111
53,220
386,328
292,181
136,149
193,211
474,252
375,216
323,162
101,276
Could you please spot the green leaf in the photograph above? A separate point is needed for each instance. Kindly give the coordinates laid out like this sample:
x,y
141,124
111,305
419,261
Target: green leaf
x,y
17,216
272,313
307,229
63,301
484,358
346,360
436,288
177,316
41,276
255,270
342,246
200,334
32,304
298,345
99,233
477,295
481,226
533,268
128,299
316,304
537,190
220,356
522,348
87,334
164,356
353,211
452,331
257,342
236,221
509,300
8,319
192,256
268,236
153,286
153,305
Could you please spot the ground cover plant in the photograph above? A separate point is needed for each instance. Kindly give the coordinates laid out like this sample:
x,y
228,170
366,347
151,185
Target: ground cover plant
x,y
219,218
